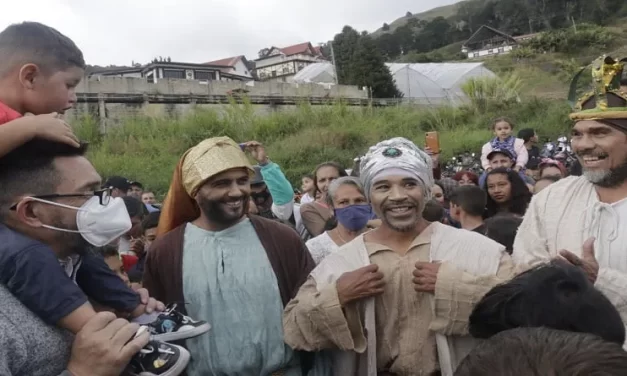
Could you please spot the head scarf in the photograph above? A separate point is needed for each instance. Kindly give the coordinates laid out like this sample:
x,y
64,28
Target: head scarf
x,y
396,156
606,102
200,163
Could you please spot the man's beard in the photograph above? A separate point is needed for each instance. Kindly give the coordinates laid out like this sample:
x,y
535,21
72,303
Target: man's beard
x,y
607,178
418,207
215,212
74,243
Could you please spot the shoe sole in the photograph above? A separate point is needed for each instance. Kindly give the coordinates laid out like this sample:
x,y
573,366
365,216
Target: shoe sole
x,y
177,368
176,336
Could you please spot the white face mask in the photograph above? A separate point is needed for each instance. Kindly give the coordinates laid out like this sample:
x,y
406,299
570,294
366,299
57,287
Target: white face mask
x,y
98,224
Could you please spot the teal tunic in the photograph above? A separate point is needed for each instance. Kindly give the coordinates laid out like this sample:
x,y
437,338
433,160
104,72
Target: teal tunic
x,y
229,282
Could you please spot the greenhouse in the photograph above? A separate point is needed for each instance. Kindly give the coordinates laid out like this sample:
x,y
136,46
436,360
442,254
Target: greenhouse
x,y
317,73
436,83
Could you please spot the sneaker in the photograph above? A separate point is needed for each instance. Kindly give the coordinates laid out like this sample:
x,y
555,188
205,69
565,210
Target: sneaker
x,y
159,359
172,325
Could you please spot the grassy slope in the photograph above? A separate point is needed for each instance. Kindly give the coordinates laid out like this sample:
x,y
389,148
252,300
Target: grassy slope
x,y
147,149
443,11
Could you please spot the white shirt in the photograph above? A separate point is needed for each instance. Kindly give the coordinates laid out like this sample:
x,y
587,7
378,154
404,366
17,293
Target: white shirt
x,y
321,246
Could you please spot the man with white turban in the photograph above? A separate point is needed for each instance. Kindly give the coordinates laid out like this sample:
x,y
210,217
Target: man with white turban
x,y
233,270
396,300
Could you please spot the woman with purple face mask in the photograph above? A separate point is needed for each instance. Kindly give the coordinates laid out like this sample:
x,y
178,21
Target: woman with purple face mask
x,y
352,212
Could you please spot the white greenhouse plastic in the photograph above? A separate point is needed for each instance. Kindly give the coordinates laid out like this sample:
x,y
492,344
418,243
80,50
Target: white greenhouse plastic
x,y
436,83
320,73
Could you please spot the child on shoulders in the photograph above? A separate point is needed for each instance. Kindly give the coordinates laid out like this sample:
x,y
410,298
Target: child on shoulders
x,y
504,140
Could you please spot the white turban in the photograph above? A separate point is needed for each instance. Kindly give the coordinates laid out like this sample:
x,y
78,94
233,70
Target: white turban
x,y
396,156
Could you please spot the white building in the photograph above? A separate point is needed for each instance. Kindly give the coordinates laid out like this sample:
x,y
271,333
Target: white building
x,y
281,64
487,41
436,83
237,65
185,71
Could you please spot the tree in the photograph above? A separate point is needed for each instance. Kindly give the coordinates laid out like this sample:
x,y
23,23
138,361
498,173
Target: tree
x,y
368,69
385,27
408,14
344,47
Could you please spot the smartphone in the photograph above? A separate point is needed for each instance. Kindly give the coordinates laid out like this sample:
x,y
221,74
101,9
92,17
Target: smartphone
x,y
432,141
242,146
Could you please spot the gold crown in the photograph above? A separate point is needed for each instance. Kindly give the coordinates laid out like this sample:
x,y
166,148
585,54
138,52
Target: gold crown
x,y
606,100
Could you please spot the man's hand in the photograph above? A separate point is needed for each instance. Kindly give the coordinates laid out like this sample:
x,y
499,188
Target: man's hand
x,y
435,158
358,284
137,246
257,151
148,304
588,262
104,346
50,127
425,276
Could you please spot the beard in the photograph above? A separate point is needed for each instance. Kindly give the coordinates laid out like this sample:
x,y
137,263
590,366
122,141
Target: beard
x,y
610,178
74,243
219,212
410,224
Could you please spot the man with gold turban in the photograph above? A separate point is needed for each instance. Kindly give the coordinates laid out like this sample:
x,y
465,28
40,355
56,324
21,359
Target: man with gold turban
x,y
235,271
396,300
584,218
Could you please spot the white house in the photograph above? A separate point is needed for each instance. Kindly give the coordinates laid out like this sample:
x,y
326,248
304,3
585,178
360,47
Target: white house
x,y
237,65
185,71
487,41
281,64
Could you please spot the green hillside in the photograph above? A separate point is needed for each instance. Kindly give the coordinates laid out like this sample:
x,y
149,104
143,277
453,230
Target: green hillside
x,y
445,11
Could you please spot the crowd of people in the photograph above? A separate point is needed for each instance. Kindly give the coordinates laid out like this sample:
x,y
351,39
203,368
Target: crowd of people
x,y
387,270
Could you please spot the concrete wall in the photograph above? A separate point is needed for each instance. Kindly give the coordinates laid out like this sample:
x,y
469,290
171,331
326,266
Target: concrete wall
x,y
127,85
114,114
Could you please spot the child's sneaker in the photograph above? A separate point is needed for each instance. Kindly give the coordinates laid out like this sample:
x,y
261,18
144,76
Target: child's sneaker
x,y
172,325
159,359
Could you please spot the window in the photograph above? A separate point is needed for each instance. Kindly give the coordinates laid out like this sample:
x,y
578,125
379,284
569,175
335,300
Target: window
x,y
171,73
501,49
207,76
150,78
286,70
273,73
475,54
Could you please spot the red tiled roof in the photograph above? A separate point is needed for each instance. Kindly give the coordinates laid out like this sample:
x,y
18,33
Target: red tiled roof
x,y
296,49
228,62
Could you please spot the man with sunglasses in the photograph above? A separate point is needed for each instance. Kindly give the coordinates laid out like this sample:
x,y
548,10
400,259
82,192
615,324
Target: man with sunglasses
x,y
52,211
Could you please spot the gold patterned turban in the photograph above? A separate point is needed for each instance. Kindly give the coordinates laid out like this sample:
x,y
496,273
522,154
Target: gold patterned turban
x,y
199,164
606,101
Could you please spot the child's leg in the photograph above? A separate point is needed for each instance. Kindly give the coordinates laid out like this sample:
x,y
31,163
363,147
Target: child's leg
x,y
76,319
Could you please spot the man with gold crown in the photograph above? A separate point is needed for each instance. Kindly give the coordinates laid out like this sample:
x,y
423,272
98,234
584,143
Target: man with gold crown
x,y
583,219
235,271
396,300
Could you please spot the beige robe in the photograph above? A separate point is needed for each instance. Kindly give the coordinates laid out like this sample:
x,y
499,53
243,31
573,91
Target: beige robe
x,y
471,266
564,216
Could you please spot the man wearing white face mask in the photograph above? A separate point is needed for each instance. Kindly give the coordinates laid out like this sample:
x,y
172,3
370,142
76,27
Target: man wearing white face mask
x,y
52,210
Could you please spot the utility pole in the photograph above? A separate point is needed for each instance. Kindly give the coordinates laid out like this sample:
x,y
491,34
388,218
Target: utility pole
x,y
337,79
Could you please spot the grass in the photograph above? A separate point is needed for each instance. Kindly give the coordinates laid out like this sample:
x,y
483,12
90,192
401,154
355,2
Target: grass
x,y
147,149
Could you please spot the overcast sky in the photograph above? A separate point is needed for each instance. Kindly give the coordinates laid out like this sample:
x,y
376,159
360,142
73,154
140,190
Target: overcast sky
x,y
118,32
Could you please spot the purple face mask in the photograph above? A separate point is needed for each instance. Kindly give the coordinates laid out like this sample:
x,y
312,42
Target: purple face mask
x,y
354,217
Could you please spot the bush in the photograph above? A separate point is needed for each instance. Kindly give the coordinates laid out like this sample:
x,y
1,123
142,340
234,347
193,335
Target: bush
x,y
148,149
570,41
492,92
